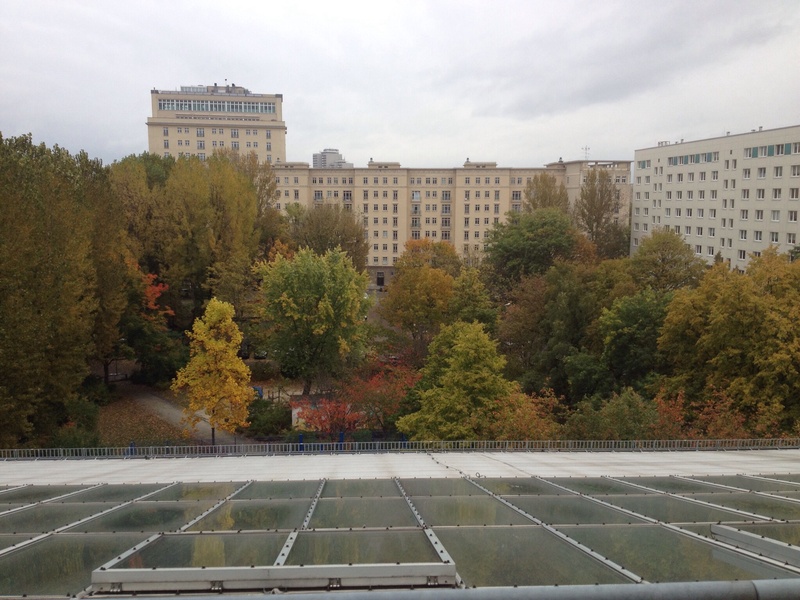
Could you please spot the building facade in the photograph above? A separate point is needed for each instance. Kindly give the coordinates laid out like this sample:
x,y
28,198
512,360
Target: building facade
x,y
729,197
573,173
197,120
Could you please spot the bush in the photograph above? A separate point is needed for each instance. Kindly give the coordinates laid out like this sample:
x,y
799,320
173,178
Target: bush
x,y
268,417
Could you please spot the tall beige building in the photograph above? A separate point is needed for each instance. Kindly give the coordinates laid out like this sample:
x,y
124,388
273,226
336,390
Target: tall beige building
x,y
731,196
197,120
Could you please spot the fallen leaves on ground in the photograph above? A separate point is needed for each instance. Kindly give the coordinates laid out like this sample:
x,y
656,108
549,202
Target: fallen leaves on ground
x,y
124,421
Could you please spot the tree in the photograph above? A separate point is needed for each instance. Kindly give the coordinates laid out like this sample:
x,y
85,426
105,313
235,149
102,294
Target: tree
x,y
597,205
47,288
379,397
542,191
624,416
330,416
312,311
461,387
439,255
326,227
216,380
665,262
529,244
471,301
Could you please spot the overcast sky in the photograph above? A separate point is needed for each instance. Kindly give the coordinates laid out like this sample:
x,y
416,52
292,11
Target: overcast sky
x,y
425,83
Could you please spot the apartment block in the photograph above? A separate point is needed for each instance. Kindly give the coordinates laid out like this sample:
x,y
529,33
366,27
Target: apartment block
x,y
198,120
730,196
573,174
330,158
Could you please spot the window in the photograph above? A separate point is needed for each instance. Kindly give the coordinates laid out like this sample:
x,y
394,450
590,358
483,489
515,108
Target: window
x,y
760,194
201,144
762,172
745,194
700,213
743,214
710,250
714,175
795,170
516,195
713,194
773,237
690,177
712,213
792,216
794,193
777,172
702,175
791,238
742,255
775,215
234,133
698,249
201,132
688,212
698,231
235,145
745,173
166,143
759,215
757,236
743,234
776,194
712,232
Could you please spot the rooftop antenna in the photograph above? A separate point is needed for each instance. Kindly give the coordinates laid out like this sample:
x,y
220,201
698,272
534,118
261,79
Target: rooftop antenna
x,y
585,152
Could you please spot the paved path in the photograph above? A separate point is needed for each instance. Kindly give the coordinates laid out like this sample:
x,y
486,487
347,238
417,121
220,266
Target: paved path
x,y
149,400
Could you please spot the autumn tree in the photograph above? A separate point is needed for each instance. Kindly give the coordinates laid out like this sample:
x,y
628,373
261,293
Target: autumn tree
x,y
665,262
439,255
623,416
312,312
329,416
379,396
326,227
597,206
543,191
461,387
471,302
216,381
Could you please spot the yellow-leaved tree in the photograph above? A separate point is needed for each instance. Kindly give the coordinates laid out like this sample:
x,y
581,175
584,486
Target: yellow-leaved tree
x,y
215,380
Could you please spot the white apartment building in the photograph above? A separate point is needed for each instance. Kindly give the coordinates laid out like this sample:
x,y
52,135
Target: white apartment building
x,y
197,120
731,196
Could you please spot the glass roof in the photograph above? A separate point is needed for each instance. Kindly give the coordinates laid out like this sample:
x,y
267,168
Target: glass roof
x,y
60,540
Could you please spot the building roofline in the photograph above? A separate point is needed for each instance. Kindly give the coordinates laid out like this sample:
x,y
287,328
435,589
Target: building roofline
x,y
666,143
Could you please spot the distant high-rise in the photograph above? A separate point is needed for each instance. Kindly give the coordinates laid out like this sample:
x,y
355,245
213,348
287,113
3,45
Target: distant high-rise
x,y
196,120
330,158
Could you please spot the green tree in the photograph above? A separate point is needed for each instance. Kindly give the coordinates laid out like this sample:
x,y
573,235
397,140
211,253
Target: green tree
x,y
543,191
47,289
529,244
597,205
461,387
327,227
216,380
665,262
471,301
313,309
624,416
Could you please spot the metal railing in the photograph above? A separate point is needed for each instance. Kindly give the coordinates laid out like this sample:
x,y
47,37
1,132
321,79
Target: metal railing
x,y
288,448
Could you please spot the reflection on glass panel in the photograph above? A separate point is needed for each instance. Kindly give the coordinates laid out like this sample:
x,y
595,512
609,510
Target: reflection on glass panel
x,y
279,489
7,541
362,512
595,485
42,518
197,491
361,547
672,510
674,485
569,510
61,564
788,533
360,487
749,483
752,503
658,554
794,477
114,493
466,510
255,514
440,487
37,493
520,486
207,550
147,517
505,556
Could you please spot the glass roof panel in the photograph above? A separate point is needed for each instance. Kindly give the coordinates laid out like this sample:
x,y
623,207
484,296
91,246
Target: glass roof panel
x,y
279,489
659,555
595,485
362,512
520,486
569,510
754,503
255,514
673,485
41,518
750,483
196,491
788,533
794,477
673,510
147,517
467,510
9,540
37,493
114,493
440,487
60,564
361,547
207,550
337,488
506,556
